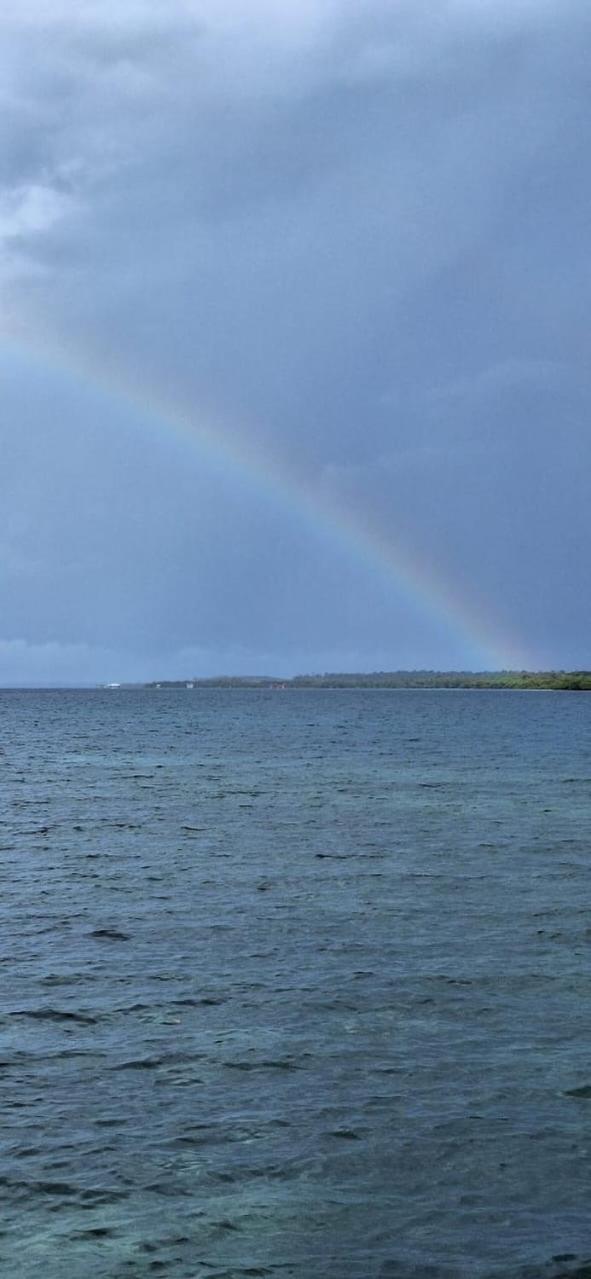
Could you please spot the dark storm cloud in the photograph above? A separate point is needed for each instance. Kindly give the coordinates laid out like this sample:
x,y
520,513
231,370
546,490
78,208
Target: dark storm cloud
x,y
357,233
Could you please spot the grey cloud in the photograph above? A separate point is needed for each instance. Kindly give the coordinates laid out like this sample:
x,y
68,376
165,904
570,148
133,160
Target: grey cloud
x,y
358,233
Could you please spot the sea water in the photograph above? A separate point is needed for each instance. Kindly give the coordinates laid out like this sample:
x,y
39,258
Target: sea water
x,y
295,983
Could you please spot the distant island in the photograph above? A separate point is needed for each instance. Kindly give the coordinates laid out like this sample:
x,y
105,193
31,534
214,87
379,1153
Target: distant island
x,y
559,681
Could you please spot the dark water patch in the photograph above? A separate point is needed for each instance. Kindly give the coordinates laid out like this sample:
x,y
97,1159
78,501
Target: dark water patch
x,y
56,1015
166,1245
61,1190
69,1054
192,1140
110,934
561,1266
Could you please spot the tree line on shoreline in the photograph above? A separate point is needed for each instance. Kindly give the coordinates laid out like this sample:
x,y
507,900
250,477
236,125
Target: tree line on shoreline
x,y
567,681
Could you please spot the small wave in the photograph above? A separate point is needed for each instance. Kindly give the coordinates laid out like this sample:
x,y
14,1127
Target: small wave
x,y
205,1001
95,1232
87,1196
280,1063
60,979
153,1063
246,1272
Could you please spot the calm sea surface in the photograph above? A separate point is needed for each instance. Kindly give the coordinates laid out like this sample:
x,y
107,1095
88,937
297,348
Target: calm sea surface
x,y
295,984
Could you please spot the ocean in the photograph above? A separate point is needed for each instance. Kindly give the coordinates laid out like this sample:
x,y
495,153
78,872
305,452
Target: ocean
x,y
294,983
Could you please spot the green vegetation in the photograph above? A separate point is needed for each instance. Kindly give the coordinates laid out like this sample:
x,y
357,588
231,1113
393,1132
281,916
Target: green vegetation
x,y
560,681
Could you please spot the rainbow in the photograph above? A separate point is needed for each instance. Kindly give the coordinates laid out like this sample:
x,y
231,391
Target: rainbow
x,y
324,515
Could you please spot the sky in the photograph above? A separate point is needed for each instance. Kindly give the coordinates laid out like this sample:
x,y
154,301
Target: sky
x,y
294,337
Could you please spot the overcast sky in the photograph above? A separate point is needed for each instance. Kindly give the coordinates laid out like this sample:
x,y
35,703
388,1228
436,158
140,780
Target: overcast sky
x,y
353,241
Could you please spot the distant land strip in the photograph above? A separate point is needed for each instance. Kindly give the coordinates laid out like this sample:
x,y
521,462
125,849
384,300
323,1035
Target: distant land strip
x,y
560,681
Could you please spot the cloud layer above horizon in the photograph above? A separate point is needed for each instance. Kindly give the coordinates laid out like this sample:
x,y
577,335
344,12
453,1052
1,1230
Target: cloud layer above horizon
x,y
353,241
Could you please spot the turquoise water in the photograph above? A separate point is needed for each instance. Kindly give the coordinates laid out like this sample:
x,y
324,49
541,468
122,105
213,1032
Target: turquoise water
x,y
294,983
